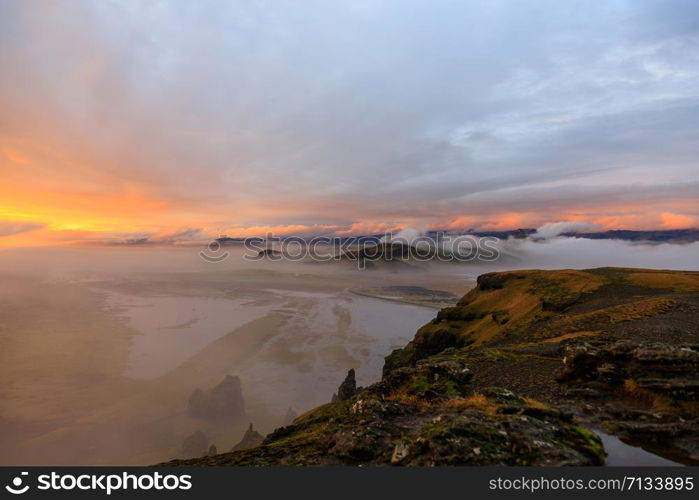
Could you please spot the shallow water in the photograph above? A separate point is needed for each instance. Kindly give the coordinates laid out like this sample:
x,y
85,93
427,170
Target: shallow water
x,y
622,454
324,337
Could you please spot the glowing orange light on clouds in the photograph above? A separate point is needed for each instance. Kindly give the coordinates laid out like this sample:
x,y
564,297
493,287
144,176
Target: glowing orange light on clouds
x,y
678,221
78,204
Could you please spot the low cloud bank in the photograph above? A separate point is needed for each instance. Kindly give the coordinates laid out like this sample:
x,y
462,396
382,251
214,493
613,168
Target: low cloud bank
x,y
582,253
548,249
553,229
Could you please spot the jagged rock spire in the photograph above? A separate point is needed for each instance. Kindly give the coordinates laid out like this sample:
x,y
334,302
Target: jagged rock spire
x,y
348,388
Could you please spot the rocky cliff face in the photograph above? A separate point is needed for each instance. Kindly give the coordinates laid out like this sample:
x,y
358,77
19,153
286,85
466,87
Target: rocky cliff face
x,y
515,374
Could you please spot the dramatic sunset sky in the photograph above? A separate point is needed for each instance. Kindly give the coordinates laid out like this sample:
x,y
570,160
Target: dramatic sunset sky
x,y
182,120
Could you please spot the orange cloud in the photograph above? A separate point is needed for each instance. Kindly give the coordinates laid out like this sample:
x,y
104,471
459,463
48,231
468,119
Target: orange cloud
x,y
79,200
678,221
15,156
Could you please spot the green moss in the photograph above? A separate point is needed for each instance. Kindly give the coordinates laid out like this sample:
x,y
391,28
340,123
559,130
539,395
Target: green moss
x,y
321,414
587,442
554,294
399,358
459,313
497,355
451,389
420,384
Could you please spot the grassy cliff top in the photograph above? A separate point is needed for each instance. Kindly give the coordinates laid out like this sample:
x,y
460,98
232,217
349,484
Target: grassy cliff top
x,y
535,305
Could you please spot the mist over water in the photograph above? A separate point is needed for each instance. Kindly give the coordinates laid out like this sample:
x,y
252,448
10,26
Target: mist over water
x,y
102,347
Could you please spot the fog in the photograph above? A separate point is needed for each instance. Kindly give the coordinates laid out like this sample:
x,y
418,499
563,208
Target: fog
x,y
100,348
562,252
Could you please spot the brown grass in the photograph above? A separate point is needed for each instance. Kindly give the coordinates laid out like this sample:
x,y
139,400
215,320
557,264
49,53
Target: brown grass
x,y
677,281
656,402
610,315
659,402
475,401
535,403
521,299
402,396
572,336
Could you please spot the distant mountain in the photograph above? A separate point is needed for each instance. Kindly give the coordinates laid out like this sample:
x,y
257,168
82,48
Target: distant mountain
x,y
659,236
665,236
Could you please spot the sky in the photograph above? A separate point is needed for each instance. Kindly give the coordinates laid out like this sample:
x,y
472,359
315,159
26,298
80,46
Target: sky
x,y
172,121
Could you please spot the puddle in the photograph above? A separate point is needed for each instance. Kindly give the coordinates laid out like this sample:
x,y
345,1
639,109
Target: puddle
x,y
622,454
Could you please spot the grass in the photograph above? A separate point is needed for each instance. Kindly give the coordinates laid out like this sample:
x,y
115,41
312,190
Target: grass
x,y
676,281
572,335
532,305
659,402
508,355
403,395
513,306
607,316
475,401
656,402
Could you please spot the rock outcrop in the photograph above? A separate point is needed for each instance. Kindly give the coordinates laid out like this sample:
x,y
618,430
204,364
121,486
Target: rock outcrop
x,y
425,417
250,439
663,369
348,387
289,417
223,402
662,378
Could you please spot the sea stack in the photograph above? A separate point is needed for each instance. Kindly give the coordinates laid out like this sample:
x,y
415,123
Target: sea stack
x,y
223,402
348,388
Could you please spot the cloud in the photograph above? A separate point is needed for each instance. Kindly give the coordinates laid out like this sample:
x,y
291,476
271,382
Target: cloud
x,y
406,236
582,253
12,228
553,229
120,117
679,221
178,235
